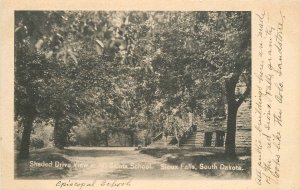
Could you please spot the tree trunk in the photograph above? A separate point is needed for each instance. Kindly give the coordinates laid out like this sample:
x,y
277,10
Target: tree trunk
x,y
177,137
231,130
106,139
132,139
57,134
232,107
24,148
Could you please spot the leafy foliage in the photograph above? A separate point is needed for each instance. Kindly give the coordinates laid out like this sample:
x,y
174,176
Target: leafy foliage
x,y
127,71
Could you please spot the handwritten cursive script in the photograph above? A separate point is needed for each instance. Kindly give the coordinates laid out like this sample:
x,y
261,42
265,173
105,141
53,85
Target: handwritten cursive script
x,y
268,116
79,185
66,184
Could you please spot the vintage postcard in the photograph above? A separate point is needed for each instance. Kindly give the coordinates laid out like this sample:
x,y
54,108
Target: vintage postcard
x,y
149,95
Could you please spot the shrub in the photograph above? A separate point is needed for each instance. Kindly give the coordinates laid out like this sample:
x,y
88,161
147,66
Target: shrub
x,y
37,142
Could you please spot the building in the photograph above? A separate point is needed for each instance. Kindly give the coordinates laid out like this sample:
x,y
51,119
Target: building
x,y
212,133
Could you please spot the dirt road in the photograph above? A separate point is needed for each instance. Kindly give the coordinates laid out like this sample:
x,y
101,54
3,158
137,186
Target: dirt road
x,y
121,163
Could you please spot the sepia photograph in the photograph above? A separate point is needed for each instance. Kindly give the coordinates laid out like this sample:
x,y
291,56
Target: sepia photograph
x,y
132,94
149,95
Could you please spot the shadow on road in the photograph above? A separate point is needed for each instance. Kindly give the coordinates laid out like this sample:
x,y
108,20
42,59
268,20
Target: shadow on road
x,y
98,151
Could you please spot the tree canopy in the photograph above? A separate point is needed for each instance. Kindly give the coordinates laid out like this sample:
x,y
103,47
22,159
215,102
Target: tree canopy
x,y
129,71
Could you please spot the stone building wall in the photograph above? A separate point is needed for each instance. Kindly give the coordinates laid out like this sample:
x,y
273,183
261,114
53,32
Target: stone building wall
x,y
243,124
243,132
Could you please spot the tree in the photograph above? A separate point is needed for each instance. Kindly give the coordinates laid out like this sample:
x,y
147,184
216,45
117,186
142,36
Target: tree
x,y
52,80
126,67
29,75
205,60
230,64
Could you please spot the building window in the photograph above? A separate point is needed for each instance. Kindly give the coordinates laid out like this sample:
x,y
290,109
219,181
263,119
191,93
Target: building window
x,y
220,138
207,139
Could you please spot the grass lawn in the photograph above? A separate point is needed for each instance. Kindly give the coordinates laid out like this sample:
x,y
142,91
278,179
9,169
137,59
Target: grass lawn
x,y
210,162
47,155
